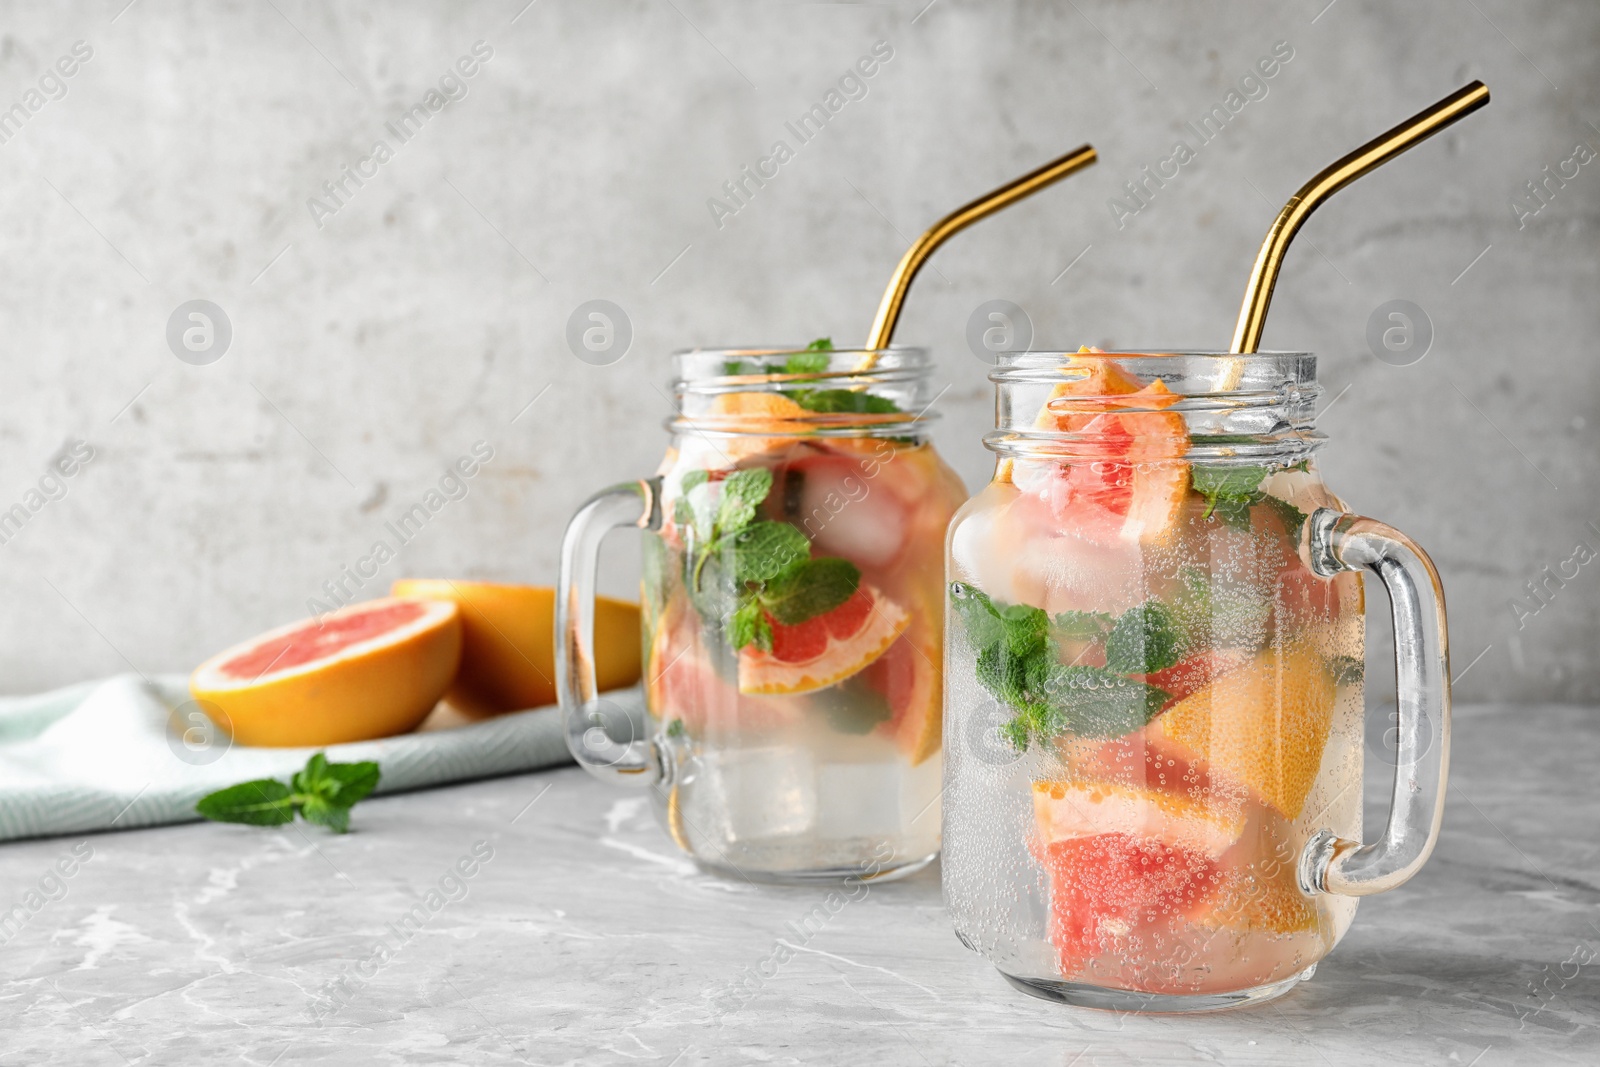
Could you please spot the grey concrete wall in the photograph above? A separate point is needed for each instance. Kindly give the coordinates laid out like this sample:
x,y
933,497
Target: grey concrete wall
x,y
374,344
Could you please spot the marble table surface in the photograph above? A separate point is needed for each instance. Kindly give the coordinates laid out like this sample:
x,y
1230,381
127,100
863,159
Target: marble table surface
x,y
582,936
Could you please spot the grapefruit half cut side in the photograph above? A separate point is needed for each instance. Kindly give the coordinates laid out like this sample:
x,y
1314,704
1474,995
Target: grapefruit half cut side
x,y
369,670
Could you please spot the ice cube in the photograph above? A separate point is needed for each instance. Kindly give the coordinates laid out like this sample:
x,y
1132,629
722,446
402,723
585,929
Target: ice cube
x,y
858,799
761,792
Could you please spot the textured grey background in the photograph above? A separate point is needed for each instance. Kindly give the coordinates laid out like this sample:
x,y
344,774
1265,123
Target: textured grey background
x,y
370,353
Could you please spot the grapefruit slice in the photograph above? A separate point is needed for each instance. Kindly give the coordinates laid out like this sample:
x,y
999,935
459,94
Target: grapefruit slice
x,y
908,678
1107,887
824,650
1092,380
1066,810
1133,487
755,422
1263,725
508,647
681,683
365,671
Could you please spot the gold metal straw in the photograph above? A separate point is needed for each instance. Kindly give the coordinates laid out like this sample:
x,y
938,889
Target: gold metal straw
x,y
1373,154
959,219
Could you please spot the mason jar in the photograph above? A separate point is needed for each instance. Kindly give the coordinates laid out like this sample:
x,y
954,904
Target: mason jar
x,y
1154,666
792,614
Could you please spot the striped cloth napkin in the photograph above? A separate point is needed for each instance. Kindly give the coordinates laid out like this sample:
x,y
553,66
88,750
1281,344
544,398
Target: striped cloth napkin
x,y
118,754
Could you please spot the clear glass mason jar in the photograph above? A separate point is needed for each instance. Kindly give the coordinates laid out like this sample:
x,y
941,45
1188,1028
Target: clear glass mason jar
x,y
1154,663
792,598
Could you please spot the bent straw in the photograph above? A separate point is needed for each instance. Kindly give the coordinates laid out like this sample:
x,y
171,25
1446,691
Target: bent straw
x,y
1373,154
959,219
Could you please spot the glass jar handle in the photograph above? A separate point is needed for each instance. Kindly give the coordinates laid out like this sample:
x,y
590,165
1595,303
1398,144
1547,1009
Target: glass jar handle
x,y
634,762
1335,542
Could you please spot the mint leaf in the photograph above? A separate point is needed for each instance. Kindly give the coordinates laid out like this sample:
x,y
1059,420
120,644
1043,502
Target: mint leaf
x,y
1096,701
767,549
1082,625
843,401
814,587
693,509
1025,629
1004,674
1019,662
811,362
1144,640
742,492
1293,518
676,730
821,344
325,813
977,613
1230,490
321,792
353,782
749,626
263,802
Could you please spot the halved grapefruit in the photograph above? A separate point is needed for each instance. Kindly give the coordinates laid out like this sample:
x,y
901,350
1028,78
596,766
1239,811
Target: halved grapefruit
x,y
824,650
508,648
365,671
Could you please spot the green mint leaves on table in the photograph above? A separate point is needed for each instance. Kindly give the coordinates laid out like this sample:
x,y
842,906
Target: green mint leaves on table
x,y
767,565
1019,662
322,793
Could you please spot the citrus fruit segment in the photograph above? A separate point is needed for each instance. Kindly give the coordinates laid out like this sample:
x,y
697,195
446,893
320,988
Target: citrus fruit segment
x,y
823,650
507,643
365,671
1263,725
1132,487
1198,671
1090,380
1065,810
1249,900
681,683
908,680
1106,887
752,422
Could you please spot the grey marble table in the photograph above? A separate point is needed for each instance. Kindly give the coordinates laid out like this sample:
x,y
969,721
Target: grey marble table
x,y
581,936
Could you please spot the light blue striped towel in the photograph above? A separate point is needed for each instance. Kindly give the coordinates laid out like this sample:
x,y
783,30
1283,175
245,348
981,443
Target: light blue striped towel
x,y
111,755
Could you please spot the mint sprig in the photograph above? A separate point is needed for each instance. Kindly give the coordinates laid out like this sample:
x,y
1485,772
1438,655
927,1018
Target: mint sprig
x,y
1019,662
745,573
322,793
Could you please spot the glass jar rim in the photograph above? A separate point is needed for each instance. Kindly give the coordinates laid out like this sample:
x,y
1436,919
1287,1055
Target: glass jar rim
x,y
1050,359
705,376
1235,406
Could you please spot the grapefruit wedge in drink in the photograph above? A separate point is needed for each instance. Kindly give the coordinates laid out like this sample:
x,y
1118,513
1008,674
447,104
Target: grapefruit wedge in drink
x,y
1174,695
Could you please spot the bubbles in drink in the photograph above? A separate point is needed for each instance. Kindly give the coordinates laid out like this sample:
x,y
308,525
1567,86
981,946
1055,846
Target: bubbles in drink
x,y
1179,701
